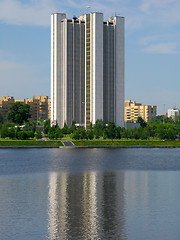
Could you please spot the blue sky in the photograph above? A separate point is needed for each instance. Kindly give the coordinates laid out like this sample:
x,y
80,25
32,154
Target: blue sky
x,y
152,46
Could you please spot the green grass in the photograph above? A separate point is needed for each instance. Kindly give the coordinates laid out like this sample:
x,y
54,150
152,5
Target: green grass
x,y
31,143
125,143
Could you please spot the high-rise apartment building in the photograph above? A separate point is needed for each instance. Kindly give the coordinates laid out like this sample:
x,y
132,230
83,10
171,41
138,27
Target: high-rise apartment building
x,y
133,110
87,69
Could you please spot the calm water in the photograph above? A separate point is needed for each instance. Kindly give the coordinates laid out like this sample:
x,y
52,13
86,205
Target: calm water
x,y
88,194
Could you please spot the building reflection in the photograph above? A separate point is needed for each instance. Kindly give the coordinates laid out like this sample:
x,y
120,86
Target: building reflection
x,y
88,205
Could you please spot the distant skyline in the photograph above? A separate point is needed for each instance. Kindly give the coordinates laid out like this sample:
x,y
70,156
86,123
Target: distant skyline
x,y
152,46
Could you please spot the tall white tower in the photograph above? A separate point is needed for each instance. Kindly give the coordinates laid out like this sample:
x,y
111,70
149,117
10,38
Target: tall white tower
x,y
87,69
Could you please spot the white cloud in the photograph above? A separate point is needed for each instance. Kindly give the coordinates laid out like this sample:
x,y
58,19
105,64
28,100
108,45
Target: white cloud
x,y
31,13
150,39
162,11
37,12
163,48
162,44
148,6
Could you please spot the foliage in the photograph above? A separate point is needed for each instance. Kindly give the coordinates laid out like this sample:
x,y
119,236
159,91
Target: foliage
x,y
142,122
55,132
30,126
157,130
89,134
24,135
79,133
65,129
19,113
164,119
99,128
1,118
118,132
73,127
6,129
47,126
177,120
110,131
38,134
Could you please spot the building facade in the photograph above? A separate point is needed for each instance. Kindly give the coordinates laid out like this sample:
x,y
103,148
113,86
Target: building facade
x,y
133,110
173,112
39,107
5,104
87,69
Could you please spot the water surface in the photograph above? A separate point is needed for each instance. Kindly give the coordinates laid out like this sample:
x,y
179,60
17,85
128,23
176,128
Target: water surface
x,y
90,194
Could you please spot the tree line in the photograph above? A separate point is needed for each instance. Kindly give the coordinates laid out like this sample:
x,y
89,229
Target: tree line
x,y
20,128
100,130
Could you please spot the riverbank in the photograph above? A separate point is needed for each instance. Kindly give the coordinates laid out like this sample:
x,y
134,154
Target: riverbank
x,y
127,144
89,144
30,144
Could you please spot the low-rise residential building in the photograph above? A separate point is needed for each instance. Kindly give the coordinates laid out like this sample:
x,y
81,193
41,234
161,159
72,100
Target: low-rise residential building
x,y
173,112
39,107
133,110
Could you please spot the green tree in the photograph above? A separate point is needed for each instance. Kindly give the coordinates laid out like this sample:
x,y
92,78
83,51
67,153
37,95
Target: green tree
x,y
111,130
142,133
1,118
24,135
177,119
30,126
52,132
47,126
65,129
124,133
19,113
73,126
160,131
89,134
12,133
79,133
135,133
38,134
99,128
6,129
58,133
142,122
118,132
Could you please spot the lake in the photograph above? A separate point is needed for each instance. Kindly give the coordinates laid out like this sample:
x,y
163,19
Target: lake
x,y
83,194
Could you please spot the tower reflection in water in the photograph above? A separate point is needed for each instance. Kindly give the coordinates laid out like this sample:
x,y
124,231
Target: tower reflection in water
x,y
88,205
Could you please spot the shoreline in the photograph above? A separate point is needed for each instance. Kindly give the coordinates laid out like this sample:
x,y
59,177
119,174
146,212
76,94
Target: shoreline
x,y
88,144
9,147
123,146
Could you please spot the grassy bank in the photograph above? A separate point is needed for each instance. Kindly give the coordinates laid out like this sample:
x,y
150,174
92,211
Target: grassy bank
x,y
31,143
126,143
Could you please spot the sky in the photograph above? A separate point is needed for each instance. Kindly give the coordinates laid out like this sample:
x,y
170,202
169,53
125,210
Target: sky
x,y
152,46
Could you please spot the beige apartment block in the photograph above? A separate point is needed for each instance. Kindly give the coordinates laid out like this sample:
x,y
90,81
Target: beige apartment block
x,y
49,108
39,107
133,110
5,103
